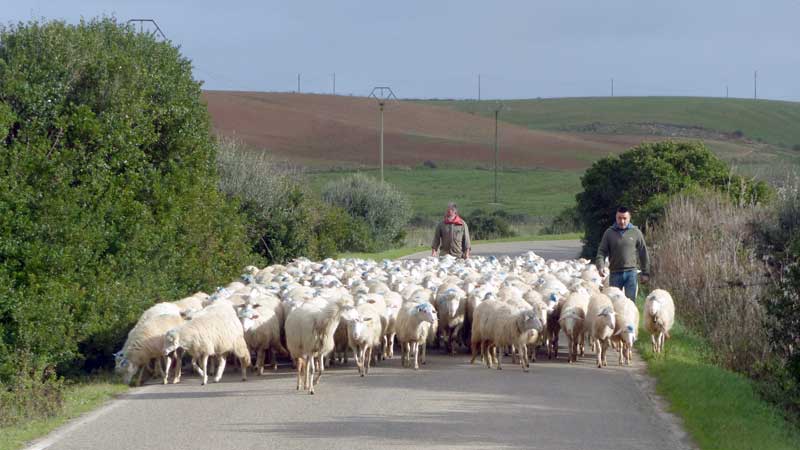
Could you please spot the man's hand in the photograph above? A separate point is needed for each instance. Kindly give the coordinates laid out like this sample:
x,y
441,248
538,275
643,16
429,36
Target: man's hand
x,y
644,278
434,252
603,272
466,254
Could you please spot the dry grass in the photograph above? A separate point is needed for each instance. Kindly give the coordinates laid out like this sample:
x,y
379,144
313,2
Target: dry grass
x,y
705,256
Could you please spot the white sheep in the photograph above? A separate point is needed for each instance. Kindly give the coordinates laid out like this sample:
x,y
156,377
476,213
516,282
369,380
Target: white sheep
x,y
450,305
309,335
571,320
601,323
145,342
216,332
627,316
263,322
659,316
509,326
364,334
414,322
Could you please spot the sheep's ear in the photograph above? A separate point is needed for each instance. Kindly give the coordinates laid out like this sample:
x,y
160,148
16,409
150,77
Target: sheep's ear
x,y
256,305
371,301
367,319
618,332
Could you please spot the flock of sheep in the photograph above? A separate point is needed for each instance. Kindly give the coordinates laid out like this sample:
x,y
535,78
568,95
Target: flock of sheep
x,y
317,313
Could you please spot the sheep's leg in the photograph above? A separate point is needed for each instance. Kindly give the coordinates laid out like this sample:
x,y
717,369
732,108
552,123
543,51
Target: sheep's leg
x,y
310,374
424,358
524,357
178,366
166,369
321,368
203,369
499,358
367,359
300,373
220,368
661,338
415,350
261,354
391,345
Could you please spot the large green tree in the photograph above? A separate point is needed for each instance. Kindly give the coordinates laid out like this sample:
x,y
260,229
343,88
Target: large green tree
x,y
644,177
108,189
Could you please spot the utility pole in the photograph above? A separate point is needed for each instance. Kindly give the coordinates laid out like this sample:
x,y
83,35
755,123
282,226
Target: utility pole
x,y
497,109
479,87
726,91
381,94
612,87
755,85
334,83
298,83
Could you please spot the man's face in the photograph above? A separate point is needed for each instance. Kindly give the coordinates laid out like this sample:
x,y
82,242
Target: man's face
x,y
451,212
623,219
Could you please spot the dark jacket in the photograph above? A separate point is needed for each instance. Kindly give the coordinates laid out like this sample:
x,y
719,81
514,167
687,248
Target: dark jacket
x,y
625,248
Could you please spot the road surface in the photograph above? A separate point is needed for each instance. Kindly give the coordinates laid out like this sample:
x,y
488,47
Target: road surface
x,y
567,249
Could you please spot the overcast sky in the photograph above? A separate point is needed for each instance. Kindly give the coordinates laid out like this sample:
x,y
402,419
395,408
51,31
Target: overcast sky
x,y
436,49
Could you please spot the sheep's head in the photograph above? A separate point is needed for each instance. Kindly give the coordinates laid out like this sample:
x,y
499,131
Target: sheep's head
x,y
172,341
247,315
426,311
529,320
121,363
608,313
357,327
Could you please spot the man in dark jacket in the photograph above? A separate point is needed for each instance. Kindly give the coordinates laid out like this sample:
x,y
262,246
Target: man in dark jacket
x,y
452,235
624,245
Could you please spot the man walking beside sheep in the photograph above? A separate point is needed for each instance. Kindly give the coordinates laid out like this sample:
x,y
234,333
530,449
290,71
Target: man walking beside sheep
x,y
623,244
452,235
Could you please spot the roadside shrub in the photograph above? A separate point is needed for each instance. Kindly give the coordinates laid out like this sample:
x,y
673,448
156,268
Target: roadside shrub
x,y
567,221
483,225
429,164
108,193
646,176
796,147
34,392
383,208
703,253
336,231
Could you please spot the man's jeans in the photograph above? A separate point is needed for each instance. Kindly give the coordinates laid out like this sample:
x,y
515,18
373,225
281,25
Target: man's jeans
x,y
626,281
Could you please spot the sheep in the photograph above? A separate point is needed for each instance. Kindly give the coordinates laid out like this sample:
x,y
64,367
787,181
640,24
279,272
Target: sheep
x,y
659,316
414,322
309,335
573,313
510,326
601,324
480,322
264,332
364,333
627,316
159,309
393,303
145,342
450,304
216,332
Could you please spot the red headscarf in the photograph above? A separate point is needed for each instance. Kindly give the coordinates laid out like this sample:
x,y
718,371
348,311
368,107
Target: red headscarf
x,y
456,220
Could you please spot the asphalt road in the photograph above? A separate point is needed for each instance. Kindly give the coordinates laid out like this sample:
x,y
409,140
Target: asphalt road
x,y
567,249
448,403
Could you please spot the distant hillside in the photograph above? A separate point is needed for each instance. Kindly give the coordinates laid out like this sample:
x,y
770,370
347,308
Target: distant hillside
x,y
341,131
773,122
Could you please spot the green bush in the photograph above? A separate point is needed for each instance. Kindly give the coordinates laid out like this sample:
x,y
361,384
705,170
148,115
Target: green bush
x,y
567,221
108,197
643,179
384,209
483,225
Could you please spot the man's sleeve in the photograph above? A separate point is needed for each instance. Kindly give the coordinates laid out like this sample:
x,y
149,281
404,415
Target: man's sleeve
x,y
465,242
602,252
644,258
437,237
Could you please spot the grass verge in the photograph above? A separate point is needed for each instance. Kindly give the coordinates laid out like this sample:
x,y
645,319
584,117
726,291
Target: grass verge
x,y
78,399
720,409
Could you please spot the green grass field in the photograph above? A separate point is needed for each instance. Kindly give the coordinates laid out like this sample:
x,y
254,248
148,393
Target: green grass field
x,y
539,194
770,121
720,409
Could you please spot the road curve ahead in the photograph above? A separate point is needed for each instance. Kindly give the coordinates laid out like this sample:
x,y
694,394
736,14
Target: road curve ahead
x,y
561,250
447,404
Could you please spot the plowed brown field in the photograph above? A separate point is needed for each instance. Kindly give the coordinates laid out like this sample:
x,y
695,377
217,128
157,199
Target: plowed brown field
x,y
327,130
